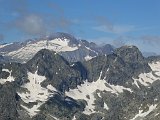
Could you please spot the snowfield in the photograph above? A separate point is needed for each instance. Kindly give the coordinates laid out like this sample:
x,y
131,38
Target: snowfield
x,y
89,88
31,49
148,78
155,67
10,78
35,92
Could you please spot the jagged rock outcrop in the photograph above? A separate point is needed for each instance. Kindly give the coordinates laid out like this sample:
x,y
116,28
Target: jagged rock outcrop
x,y
118,67
57,70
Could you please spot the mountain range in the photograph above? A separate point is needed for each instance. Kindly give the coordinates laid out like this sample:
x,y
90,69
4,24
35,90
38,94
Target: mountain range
x,y
62,78
64,44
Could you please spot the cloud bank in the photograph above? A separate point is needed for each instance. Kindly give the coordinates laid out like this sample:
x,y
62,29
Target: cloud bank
x,y
31,22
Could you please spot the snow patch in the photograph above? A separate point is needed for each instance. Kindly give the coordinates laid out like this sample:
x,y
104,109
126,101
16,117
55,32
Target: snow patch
x,y
32,111
145,79
91,50
156,114
119,89
74,118
106,106
89,88
2,46
36,93
6,70
142,114
72,65
28,51
99,94
62,45
148,78
155,66
53,117
10,78
87,58
50,87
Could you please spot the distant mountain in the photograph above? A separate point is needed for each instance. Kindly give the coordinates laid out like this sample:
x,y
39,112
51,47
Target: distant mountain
x,y
123,85
148,54
1,58
62,43
4,59
153,58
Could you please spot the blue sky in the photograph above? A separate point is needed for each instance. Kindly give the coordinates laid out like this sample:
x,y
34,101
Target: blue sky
x,y
117,22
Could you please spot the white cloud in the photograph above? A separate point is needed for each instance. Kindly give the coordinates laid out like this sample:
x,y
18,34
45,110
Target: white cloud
x,y
115,29
31,24
28,22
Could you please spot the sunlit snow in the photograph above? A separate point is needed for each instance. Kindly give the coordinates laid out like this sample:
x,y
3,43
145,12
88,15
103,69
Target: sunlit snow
x,y
35,92
142,114
1,46
10,78
155,66
53,117
89,88
106,106
91,50
31,49
87,58
148,78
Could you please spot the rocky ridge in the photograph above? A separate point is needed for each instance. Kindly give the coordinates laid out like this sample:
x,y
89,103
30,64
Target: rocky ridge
x,y
119,86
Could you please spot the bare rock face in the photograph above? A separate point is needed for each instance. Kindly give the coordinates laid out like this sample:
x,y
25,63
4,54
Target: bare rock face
x,y
130,54
8,100
118,67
